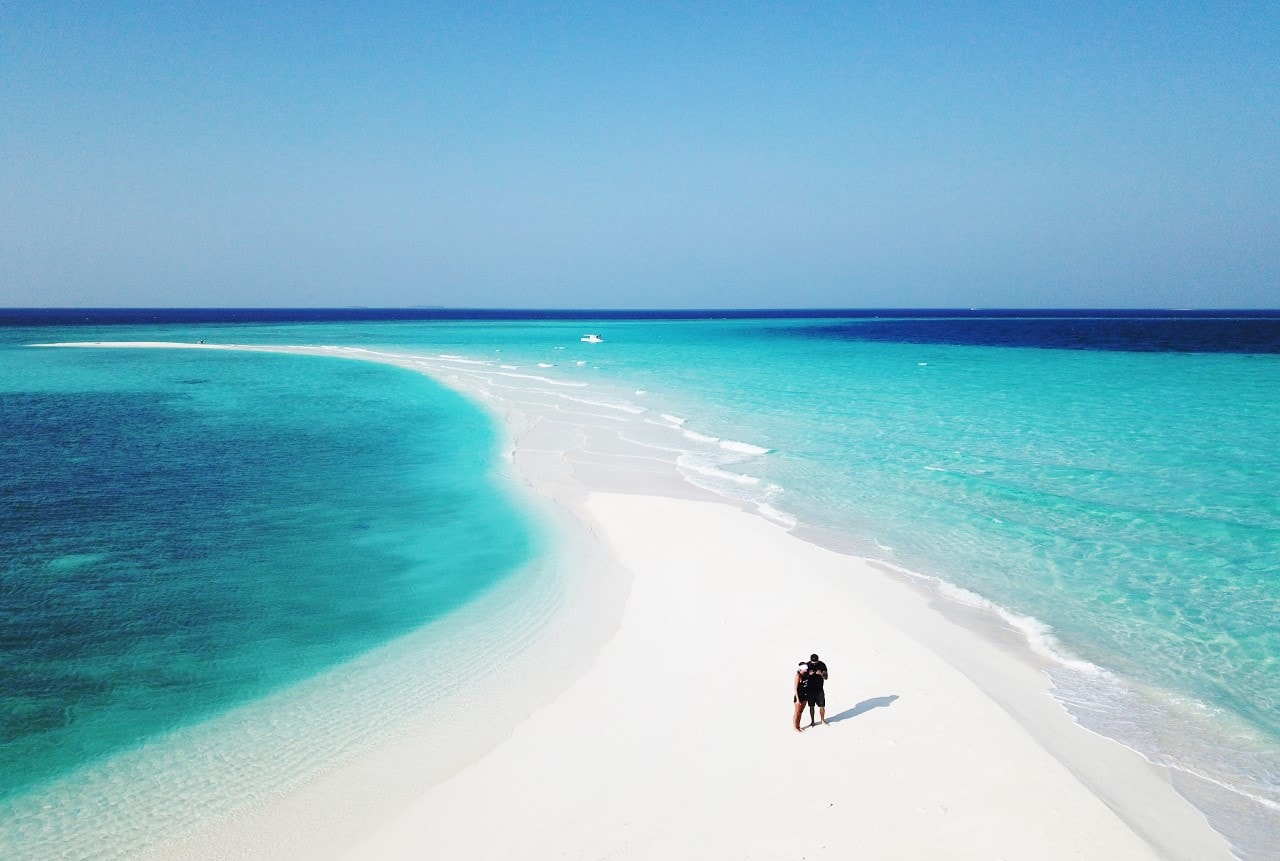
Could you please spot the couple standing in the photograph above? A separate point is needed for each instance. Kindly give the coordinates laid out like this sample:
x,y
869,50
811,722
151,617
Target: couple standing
x,y
810,677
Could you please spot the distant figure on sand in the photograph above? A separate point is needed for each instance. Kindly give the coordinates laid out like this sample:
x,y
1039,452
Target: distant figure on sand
x,y
814,694
801,692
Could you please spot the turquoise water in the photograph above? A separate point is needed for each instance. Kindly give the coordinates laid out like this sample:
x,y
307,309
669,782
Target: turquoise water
x,y
1122,507
182,532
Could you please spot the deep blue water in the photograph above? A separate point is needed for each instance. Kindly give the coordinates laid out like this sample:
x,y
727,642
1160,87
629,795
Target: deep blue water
x,y
1256,330
1150,334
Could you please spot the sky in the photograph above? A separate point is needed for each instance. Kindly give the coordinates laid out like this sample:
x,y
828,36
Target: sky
x,y
640,155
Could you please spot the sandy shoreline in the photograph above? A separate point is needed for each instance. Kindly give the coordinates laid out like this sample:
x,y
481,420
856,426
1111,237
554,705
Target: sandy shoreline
x,y
676,743
672,739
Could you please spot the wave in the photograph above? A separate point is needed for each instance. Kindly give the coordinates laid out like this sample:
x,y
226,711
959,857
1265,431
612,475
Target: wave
x,y
568,383
699,437
649,445
1038,635
686,462
727,444
461,360
624,407
775,514
743,447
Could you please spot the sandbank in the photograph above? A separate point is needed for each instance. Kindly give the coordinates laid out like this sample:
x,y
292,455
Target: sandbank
x,y
677,742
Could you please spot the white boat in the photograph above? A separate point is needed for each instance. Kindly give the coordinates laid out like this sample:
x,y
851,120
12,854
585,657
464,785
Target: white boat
x,y
591,339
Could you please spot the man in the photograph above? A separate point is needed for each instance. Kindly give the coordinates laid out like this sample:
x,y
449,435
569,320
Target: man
x,y
814,694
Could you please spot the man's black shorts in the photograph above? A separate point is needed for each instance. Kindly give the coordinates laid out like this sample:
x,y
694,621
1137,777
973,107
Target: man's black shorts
x,y
816,698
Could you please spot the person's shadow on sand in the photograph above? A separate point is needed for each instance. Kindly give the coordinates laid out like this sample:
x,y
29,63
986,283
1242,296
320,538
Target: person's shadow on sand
x,y
862,707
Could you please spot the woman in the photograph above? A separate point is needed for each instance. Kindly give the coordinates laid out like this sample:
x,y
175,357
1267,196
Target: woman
x,y
801,693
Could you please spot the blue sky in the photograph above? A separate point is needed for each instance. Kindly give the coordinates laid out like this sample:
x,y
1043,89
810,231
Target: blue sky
x,y
640,155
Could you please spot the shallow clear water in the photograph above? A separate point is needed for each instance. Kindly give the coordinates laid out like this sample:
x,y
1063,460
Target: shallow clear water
x,y
182,532
1114,494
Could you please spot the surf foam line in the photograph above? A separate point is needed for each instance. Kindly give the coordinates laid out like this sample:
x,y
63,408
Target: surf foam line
x,y
573,384
744,447
570,411
701,437
489,369
1038,635
463,361
632,409
685,461
732,445
650,445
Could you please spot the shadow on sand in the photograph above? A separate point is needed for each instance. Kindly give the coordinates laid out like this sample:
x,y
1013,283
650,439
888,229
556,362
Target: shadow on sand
x,y
862,707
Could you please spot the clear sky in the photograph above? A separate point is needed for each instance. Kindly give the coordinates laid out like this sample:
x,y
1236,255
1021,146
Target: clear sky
x,y
640,154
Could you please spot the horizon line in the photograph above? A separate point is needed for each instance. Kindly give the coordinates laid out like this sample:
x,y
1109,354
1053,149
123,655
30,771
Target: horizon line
x,y
491,309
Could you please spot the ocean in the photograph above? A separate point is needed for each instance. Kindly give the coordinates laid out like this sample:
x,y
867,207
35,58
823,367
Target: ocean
x,y
188,532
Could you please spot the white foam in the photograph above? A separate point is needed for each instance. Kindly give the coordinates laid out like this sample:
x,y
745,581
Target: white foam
x,y
509,367
1265,802
641,392
545,365
633,409
743,447
777,516
601,416
1039,636
686,462
649,445
675,420
698,437
383,353
569,383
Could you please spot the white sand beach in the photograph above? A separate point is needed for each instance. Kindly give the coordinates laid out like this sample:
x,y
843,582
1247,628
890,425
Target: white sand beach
x,y
672,737
677,742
